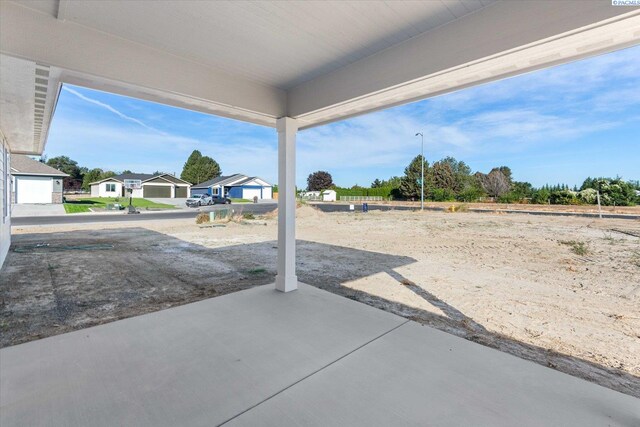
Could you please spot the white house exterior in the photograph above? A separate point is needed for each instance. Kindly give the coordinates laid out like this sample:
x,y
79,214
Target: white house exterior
x,y
35,182
107,188
236,186
329,196
159,186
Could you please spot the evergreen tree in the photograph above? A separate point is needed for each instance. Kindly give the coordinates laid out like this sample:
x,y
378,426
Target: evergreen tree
x,y
443,176
410,182
199,168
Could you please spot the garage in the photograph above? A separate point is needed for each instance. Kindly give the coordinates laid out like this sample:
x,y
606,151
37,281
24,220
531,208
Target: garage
x,y
250,193
182,192
34,189
156,191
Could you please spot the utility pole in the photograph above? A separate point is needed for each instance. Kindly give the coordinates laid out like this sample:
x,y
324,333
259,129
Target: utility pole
x,y
421,170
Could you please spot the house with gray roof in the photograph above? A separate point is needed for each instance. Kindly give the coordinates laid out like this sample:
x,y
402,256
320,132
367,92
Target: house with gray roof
x,y
35,182
162,185
237,186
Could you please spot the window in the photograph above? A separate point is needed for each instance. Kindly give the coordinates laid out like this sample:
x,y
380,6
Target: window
x,y
215,191
111,188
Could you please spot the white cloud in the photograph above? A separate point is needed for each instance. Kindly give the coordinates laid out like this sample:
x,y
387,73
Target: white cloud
x,y
110,108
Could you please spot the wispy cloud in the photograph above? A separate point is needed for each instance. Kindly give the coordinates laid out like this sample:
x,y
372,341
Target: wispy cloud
x,y
110,108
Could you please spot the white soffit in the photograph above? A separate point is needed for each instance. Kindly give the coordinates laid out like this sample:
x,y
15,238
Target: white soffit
x,y
278,43
385,79
316,61
28,93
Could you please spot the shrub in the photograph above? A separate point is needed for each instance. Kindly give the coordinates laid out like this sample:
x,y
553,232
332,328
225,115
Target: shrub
x,y
509,197
541,196
442,195
588,196
564,197
470,194
202,218
578,248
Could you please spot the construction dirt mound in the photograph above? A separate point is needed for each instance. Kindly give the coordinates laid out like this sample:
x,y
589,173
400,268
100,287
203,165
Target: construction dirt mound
x,y
302,211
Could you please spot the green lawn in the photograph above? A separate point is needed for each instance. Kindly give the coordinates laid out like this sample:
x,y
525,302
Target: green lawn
x,y
241,200
84,205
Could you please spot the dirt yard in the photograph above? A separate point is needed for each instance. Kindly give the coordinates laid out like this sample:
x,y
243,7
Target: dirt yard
x,y
563,292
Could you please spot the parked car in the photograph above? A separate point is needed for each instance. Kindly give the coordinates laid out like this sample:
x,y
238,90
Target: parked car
x,y
199,200
217,200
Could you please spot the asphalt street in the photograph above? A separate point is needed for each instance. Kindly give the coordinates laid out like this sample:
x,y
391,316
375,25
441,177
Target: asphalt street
x,y
259,208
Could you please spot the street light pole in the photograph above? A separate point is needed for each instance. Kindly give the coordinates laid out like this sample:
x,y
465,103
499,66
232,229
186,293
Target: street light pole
x,y
421,170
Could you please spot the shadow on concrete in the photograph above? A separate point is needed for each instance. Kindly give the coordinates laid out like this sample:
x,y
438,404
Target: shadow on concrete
x,y
58,282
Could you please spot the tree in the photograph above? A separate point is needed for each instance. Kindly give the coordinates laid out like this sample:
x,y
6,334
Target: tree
x,y
410,183
95,175
127,171
506,171
199,168
495,183
90,176
318,181
461,173
66,165
443,177
376,183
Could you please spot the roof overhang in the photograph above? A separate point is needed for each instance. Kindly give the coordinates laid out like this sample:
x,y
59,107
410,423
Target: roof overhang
x,y
87,46
62,175
105,180
28,95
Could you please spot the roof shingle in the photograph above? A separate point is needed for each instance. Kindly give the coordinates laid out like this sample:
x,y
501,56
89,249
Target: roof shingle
x,y
25,165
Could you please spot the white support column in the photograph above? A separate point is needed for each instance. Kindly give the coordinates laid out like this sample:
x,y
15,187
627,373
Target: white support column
x,y
286,279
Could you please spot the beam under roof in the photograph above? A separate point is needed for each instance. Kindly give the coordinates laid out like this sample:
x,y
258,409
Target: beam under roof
x,y
106,62
500,40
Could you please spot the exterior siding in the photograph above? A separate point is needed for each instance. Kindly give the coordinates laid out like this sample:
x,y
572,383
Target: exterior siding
x,y
5,199
235,192
102,189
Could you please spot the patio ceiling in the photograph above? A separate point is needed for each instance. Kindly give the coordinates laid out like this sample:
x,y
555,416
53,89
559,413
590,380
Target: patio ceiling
x,y
316,62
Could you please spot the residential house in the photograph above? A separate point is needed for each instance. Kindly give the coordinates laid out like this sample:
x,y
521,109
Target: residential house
x,y
235,186
35,182
159,185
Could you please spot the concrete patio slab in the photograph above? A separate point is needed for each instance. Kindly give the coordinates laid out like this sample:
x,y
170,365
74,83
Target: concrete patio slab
x,y
259,357
416,375
198,364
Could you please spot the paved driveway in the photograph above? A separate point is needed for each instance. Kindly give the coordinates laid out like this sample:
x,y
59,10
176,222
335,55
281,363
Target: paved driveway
x,y
32,209
178,202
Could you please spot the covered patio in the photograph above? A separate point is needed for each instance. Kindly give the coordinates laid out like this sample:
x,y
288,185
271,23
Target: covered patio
x,y
261,356
258,357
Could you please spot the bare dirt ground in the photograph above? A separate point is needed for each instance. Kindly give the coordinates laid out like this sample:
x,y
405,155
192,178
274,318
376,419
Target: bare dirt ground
x,y
563,292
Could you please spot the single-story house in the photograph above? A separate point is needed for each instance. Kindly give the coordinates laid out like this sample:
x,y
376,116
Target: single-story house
x,y
159,185
35,182
236,186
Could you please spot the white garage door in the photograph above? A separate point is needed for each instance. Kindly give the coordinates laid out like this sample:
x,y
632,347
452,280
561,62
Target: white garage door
x,y
33,189
249,193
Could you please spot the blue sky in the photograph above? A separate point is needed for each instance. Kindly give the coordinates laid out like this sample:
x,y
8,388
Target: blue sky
x,y
558,125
